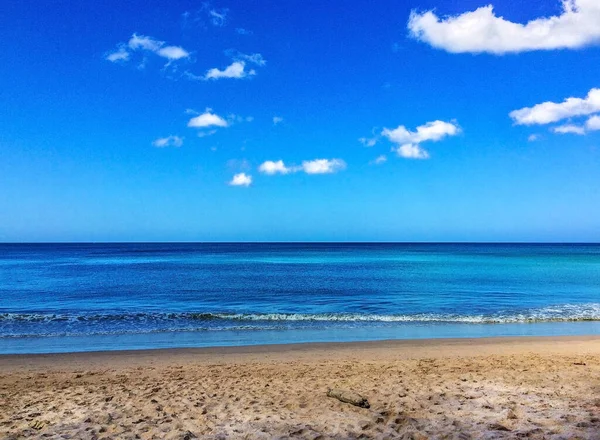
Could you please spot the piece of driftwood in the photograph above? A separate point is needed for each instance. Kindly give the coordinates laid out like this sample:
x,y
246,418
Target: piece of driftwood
x,y
348,397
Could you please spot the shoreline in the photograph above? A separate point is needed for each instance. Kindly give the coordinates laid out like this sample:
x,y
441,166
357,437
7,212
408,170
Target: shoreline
x,y
410,348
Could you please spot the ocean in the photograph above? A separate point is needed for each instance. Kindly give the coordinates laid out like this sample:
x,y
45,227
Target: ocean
x,y
87,297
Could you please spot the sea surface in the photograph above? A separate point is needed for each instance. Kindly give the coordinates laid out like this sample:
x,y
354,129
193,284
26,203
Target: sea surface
x,y
82,297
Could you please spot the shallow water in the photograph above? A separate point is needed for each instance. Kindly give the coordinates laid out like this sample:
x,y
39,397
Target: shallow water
x,y
75,297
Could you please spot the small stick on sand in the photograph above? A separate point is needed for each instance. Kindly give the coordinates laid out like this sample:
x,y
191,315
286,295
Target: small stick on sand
x,y
348,397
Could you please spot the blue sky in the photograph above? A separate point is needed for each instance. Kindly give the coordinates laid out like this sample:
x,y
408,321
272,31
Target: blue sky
x,y
405,121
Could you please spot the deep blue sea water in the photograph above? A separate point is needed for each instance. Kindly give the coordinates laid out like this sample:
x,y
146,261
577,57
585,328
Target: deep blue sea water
x,y
78,297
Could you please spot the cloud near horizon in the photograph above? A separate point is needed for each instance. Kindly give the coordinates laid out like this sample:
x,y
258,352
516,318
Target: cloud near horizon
x,y
481,30
316,166
408,143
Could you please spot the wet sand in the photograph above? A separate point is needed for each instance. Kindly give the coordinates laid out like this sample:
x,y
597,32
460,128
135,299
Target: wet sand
x,y
547,387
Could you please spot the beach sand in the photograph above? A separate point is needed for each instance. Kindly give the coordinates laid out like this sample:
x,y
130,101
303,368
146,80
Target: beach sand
x,y
458,389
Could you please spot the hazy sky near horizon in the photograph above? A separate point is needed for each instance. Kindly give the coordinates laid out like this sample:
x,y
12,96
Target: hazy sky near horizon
x,y
418,120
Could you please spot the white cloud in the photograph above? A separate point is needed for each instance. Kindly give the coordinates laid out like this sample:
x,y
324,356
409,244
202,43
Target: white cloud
x,y
234,70
241,179
254,58
569,129
411,151
593,123
145,44
173,52
533,137
548,112
218,17
202,134
323,166
431,131
482,31
379,160
408,142
207,119
270,167
232,118
120,54
317,166
368,142
277,120
169,141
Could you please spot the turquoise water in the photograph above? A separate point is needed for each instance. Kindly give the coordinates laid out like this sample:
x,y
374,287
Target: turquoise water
x,y
78,297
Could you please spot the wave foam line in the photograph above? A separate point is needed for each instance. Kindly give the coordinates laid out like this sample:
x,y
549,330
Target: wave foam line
x,y
561,313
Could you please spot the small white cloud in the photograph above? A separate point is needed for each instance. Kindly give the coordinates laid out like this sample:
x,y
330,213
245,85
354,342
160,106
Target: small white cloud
x,y
593,123
254,58
169,141
431,131
533,137
317,166
277,120
144,42
173,52
202,134
379,160
120,54
569,129
482,31
207,119
323,166
242,31
548,112
146,45
411,151
233,118
241,179
274,167
234,70
368,142
408,142
218,17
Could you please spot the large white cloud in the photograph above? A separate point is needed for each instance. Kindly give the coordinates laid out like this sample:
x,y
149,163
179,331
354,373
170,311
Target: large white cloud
x,y
481,30
316,166
207,119
408,142
241,179
169,141
548,112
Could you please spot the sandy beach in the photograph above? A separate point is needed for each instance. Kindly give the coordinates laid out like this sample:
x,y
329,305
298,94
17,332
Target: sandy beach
x,y
471,388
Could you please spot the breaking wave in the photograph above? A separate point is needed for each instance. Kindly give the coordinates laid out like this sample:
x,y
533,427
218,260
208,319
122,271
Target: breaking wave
x,y
560,313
